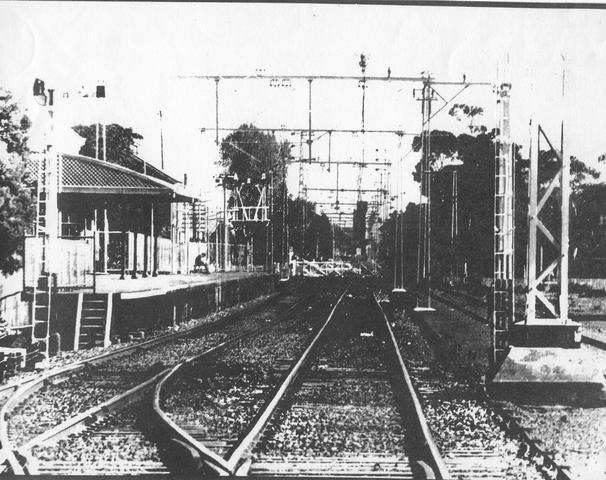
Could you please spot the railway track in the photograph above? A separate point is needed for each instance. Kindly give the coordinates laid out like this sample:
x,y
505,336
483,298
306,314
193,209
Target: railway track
x,y
482,455
352,410
83,403
209,405
477,440
345,407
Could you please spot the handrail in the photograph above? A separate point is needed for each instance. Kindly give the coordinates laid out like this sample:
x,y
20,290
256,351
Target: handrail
x,y
18,292
433,454
245,443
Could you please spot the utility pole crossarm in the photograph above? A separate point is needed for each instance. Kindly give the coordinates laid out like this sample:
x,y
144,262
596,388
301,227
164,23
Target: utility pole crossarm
x,y
347,162
367,190
305,77
332,77
313,130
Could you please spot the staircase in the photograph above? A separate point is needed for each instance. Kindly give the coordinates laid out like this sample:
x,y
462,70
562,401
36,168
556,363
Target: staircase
x,y
94,312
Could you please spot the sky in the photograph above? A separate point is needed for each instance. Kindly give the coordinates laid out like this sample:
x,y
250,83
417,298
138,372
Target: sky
x,y
140,50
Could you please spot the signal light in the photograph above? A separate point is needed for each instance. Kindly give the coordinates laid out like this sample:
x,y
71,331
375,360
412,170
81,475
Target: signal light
x,y
38,87
39,91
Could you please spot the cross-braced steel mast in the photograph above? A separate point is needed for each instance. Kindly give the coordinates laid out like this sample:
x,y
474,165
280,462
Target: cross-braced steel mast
x,y
503,274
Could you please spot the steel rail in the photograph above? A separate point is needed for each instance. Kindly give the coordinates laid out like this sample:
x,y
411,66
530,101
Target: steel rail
x,y
102,357
212,460
121,400
431,451
117,402
237,454
508,421
29,385
106,356
433,468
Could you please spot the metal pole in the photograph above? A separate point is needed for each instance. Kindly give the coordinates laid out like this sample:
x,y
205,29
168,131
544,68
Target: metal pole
x,y
145,255
421,223
161,143
309,129
332,225
329,148
225,231
271,219
532,231
105,239
123,253
97,141
565,180
360,170
217,263
155,243
134,271
284,215
502,312
217,111
104,143
427,155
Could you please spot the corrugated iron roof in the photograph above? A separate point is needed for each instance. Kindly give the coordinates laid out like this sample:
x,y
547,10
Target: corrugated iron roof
x,y
87,175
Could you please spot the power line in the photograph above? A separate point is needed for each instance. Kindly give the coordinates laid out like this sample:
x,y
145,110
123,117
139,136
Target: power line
x,y
345,162
363,190
388,79
313,130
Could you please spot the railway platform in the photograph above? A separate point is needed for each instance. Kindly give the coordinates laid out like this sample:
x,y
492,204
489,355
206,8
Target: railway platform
x,y
118,310
161,284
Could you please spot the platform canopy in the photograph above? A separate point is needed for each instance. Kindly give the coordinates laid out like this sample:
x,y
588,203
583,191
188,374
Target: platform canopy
x,y
85,175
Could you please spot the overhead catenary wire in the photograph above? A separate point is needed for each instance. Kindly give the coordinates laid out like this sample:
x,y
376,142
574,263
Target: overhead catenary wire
x,y
363,79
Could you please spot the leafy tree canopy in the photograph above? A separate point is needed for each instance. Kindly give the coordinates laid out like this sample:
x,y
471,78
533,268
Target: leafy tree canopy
x,y
250,153
461,111
121,144
16,192
14,125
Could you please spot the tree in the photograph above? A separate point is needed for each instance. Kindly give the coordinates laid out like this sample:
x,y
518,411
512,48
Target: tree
x,y
401,259
14,125
474,244
311,233
121,144
16,186
359,227
252,154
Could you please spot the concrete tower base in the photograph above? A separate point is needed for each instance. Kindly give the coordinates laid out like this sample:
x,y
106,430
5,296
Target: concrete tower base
x,y
550,376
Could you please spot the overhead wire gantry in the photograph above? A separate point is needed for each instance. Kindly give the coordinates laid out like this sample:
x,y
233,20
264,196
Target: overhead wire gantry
x,y
307,135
